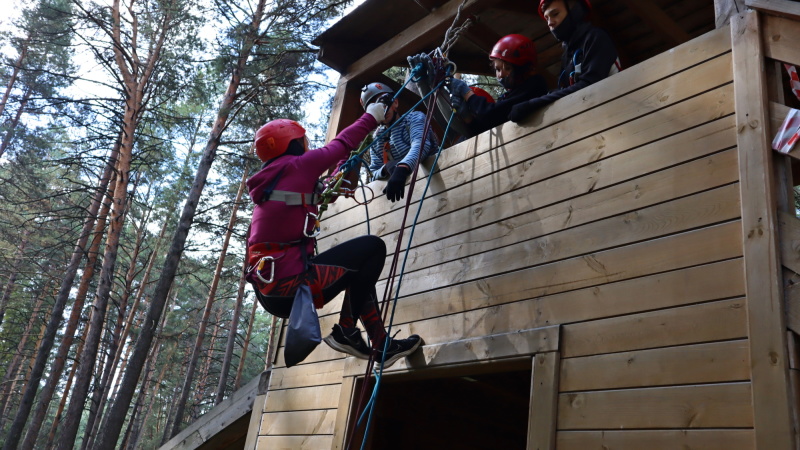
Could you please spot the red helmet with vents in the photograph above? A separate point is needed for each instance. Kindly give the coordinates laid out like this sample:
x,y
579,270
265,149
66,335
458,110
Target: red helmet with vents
x,y
515,49
273,139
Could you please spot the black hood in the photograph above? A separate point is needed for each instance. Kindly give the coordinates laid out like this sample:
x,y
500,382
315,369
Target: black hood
x,y
576,16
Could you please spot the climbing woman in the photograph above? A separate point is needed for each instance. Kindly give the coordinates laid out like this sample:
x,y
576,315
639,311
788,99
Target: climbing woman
x,y
281,240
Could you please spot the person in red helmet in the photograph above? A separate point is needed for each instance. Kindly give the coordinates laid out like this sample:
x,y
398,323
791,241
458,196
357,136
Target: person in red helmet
x,y
588,54
513,59
281,238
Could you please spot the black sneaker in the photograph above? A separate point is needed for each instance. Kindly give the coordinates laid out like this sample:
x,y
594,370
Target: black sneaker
x,y
348,340
398,348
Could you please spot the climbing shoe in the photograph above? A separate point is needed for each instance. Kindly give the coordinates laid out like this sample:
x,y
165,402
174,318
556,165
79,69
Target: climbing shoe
x,y
396,349
348,340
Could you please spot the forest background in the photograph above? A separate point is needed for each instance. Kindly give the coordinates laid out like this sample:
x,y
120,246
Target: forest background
x,y
125,139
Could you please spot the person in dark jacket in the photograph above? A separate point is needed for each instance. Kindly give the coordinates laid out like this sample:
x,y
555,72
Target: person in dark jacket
x,y
513,59
282,230
588,54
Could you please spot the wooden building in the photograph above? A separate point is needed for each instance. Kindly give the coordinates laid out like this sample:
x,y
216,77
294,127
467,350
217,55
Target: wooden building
x,y
618,272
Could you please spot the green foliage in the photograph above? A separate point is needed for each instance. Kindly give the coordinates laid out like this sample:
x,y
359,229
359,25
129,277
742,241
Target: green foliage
x,y
71,101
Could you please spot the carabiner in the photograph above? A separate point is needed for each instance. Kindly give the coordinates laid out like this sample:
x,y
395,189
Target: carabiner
x,y
260,266
316,230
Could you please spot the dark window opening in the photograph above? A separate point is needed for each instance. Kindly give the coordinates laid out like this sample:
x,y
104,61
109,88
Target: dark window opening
x,y
475,408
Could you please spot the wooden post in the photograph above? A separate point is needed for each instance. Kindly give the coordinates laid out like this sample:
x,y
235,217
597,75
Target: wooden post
x,y
346,107
768,355
543,409
725,9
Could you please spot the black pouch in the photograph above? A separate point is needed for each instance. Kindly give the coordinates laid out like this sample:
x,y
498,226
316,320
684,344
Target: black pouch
x,y
303,333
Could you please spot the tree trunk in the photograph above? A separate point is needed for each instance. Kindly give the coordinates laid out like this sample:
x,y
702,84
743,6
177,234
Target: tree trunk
x,y
12,278
232,332
107,184
15,121
15,73
70,379
202,384
110,433
56,316
136,76
238,381
187,382
171,412
106,187
9,382
117,343
133,438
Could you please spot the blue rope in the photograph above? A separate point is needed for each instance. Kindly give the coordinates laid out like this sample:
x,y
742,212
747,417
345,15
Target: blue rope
x,y
379,374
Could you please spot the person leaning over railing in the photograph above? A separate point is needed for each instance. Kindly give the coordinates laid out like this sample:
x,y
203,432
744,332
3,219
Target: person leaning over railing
x,y
513,59
588,54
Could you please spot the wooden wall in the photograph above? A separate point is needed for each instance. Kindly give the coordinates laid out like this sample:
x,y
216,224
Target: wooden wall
x,y
608,229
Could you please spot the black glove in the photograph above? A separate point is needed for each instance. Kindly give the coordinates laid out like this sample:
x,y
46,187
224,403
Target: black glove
x,y
520,111
388,168
397,183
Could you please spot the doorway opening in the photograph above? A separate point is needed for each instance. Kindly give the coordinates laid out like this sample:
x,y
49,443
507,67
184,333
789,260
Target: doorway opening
x,y
471,407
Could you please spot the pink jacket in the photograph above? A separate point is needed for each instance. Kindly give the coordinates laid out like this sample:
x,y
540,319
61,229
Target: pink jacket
x,y
277,222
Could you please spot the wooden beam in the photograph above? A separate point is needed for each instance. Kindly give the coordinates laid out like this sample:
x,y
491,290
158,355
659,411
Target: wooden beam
x,y
790,241
725,9
780,36
416,38
793,307
346,107
655,17
783,8
483,349
766,322
255,422
544,402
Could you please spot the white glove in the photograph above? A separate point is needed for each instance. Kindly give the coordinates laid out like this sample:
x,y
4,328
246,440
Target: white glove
x,y
377,110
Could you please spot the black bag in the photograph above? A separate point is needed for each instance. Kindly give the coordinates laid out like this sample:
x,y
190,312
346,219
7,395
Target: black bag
x,y
303,333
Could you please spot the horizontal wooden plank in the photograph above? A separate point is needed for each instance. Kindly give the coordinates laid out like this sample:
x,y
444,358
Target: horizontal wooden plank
x,y
780,37
782,8
714,362
293,442
456,211
678,59
706,322
587,194
703,406
517,239
689,249
328,372
589,269
656,440
652,101
492,314
298,422
300,399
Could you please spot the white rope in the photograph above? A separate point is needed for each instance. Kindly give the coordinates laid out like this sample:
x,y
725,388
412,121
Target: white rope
x,y
453,33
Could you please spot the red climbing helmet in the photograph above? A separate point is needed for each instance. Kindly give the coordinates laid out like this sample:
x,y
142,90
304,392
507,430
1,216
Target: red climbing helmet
x,y
273,139
515,49
542,3
481,93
